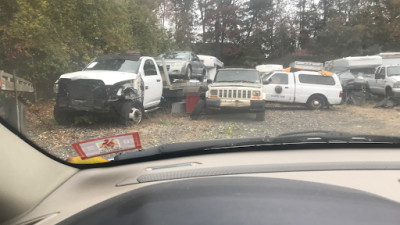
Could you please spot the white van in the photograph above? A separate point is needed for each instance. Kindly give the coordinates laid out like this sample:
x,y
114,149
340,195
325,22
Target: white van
x,y
314,89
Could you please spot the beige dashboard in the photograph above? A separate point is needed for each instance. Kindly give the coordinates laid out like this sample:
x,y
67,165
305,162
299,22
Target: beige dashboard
x,y
69,190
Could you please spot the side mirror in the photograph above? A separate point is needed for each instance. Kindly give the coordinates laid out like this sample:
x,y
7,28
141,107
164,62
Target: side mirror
x,y
267,81
209,81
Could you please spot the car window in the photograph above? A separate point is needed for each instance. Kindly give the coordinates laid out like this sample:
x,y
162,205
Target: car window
x,y
393,71
382,72
149,68
121,65
316,79
279,78
251,76
177,55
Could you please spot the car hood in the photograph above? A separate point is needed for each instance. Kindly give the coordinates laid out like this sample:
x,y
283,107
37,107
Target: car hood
x,y
395,78
108,77
235,84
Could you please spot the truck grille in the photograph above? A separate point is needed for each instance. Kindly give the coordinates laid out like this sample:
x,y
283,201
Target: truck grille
x,y
237,94
83,89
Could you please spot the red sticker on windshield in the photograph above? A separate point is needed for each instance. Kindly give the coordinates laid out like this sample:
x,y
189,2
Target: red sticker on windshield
x,y
107,145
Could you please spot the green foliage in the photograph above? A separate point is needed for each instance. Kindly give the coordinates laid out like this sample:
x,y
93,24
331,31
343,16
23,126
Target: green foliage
x,y
46,38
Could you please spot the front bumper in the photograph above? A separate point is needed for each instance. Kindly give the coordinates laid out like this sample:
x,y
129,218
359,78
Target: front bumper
x,y
243,104
396,92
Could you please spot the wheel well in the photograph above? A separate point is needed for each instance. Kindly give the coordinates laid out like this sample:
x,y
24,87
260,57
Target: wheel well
x,y
321,95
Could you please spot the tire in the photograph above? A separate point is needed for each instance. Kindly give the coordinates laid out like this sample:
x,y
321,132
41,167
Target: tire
x,y
131,113
315,102
260,116
188,74
389,93
197,110
63,117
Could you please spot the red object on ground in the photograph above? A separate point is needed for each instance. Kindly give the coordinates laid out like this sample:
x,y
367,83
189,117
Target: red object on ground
x,y
191,101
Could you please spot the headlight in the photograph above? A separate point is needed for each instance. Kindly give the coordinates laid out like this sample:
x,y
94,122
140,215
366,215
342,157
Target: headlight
x,y
214,92
55,88
256,93
396,85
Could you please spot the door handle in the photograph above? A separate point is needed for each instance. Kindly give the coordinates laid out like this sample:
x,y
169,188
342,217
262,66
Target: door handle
x,y
158,80
286,87
146,87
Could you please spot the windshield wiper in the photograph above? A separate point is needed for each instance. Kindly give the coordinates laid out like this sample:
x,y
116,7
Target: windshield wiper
x,y
306,137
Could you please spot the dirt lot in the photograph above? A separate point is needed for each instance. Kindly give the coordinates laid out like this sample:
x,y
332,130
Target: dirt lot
x,y
162,127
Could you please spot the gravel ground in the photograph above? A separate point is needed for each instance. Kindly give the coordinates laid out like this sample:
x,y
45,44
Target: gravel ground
x,y
161,127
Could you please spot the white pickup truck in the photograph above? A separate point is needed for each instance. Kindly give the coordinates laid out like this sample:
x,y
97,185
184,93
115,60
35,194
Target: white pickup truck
x,y
312,88
124,84
386,81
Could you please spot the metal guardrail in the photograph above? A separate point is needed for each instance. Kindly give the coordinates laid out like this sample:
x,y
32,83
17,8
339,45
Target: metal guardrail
x,y
9,82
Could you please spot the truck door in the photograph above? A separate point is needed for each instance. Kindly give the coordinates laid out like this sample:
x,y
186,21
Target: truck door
x,y
279,87
152,84
380,79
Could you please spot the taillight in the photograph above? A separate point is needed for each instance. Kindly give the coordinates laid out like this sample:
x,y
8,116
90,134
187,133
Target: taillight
x,y
341,94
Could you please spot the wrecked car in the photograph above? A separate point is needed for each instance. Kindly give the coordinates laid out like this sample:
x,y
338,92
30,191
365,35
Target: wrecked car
x,y
122,84
354,87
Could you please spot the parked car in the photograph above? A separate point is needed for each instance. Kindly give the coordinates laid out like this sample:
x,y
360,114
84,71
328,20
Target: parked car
x,y
234,89
183,65
386,81
314,89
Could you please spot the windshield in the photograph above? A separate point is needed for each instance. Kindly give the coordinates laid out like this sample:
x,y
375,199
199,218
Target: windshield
x,y
120,65
393,71
215,94
363,72
250,76
176,55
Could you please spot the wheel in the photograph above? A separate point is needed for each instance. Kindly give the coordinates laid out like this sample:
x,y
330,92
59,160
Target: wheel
x,y
316,102
188,75
260,116
389,93
197,109
63,117
131,113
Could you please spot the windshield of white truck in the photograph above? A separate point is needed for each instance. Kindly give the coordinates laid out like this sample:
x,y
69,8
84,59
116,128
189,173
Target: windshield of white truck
x,y
121,65
393,71
250,76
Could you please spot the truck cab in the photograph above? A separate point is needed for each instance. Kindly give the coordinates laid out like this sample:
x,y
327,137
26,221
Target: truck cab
x,y
237,89
386,81
312,88
123,84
